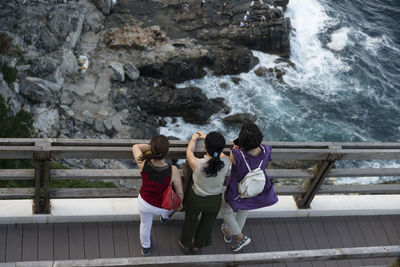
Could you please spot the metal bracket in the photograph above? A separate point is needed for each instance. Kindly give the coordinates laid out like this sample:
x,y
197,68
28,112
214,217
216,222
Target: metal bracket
x,y
334,156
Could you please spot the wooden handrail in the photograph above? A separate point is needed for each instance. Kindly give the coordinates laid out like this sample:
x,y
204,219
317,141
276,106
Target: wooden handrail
x,y
42,151
231,259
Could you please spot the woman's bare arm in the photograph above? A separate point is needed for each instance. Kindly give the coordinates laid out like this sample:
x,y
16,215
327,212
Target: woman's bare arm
x,y
137,151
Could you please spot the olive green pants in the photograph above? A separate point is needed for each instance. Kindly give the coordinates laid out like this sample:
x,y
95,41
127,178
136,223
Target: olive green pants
x,y
201,229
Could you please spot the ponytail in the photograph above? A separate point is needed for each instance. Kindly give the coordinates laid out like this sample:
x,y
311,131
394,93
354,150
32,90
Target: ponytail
x,y
215,143
159,148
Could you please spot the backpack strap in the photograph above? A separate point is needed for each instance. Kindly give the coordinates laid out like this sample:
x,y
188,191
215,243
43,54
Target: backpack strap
x,y
248,167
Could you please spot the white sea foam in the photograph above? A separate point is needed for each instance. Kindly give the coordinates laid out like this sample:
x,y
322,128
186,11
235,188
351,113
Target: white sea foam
x,y
339,39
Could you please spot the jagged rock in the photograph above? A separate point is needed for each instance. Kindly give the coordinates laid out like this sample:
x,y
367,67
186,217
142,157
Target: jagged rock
x,y
119,73
10,95
261,71
46,122
221,102
106,7
109,127
232,60
135,37
223,85
236,80
23,67
131,71
240,118
67,111
189,103
99,126
66,97
39,91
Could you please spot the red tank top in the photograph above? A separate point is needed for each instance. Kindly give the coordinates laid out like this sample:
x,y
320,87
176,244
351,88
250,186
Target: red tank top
x,y
154,182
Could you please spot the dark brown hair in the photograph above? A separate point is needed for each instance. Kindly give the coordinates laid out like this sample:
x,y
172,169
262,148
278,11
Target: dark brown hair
x,y
215,143
250,136
159,148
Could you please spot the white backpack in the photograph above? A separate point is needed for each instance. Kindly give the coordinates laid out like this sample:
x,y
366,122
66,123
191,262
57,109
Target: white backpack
x,y
253,182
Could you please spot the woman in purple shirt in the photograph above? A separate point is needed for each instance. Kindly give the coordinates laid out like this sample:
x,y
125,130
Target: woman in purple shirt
x,y
251,150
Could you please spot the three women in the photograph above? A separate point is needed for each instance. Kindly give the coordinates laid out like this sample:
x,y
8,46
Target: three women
x,y
206,196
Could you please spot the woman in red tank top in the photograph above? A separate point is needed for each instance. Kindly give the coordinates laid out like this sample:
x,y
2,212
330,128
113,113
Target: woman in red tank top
x,y
156,176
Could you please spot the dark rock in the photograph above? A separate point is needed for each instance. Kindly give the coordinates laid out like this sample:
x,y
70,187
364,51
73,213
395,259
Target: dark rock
x,y
189,103
221,102
106,6
223,85
285,60
39,91
235,80
261,71
240,118
232,61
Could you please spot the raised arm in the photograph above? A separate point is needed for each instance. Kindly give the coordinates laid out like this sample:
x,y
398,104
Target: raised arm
x,y
190,158
137,151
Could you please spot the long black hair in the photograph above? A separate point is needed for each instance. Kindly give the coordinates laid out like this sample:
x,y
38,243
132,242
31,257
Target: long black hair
x,y
159,148
215,143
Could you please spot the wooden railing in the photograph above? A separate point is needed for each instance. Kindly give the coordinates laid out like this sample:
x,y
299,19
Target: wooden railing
x,y
42,151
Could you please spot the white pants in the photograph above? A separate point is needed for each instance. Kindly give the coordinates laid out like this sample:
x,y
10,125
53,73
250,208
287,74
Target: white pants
x,y
146,212
233,223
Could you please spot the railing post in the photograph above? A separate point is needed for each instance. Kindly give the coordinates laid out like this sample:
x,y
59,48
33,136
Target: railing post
x,y
42,179
322,169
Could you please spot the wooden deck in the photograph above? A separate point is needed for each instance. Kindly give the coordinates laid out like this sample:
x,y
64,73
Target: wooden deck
x,y
63,241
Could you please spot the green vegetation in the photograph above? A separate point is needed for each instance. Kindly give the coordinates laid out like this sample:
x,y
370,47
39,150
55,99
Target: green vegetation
x,y
9,73
5,43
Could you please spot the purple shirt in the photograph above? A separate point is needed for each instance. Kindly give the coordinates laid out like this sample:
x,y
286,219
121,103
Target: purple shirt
x,y
266,198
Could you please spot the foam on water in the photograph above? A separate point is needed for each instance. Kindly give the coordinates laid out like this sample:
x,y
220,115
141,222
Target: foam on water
x,y
339,39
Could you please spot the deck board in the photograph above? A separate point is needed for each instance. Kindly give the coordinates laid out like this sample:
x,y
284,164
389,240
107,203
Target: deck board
x,y
91,240
14,243
61,241
121,243
76,245
30,242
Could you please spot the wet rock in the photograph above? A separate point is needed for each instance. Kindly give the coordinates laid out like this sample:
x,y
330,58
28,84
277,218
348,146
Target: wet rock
x,y
240,118
235,80
189,103
232,61
221,102
223,85
131,71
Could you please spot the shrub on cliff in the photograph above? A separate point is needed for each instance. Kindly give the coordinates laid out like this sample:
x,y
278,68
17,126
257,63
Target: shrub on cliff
x,y
5,43
9,73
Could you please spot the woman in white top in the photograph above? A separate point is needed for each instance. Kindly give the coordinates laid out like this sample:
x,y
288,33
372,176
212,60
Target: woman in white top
x,y
205,195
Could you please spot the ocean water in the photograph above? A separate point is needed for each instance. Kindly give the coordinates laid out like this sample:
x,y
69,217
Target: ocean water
x,y
345,85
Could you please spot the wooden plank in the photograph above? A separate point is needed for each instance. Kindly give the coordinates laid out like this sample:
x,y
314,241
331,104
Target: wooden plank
x,y
14,243
309,238
396,222
344,235
240,258
358,236
290,173
250,247
257,236
154,241
360,189
284,240
91,240
3,242
76,244
218,243
270,237
364,172
106,240
175,229
382,239
133,238
15,174
17,152
390,230
30,242
45,242
61,241
16,193
369,154
164,245
333,237
296,238
121,244
92,192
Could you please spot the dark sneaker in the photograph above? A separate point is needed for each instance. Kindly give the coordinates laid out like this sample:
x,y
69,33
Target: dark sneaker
x,y
163,220
146,251
227,239
242,243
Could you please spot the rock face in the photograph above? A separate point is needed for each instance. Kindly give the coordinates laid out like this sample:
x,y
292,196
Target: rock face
x,y
135,37
240,118
189,103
